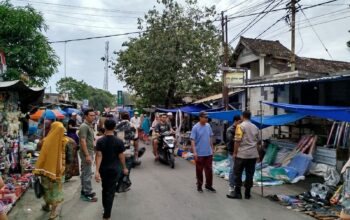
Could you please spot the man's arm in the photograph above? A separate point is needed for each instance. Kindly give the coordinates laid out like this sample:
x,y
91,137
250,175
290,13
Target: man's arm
x,y
83,134
122,161
238,138
193,145
98,164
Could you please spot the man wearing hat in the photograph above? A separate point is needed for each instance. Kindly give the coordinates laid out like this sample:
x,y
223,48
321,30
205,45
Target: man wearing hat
x,y
202,147
136,123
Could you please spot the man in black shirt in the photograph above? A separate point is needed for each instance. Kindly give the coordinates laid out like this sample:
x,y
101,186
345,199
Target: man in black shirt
x,y
160,128
72,128
109,154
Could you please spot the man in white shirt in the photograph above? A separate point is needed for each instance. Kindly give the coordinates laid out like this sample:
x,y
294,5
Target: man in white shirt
x,y
136,123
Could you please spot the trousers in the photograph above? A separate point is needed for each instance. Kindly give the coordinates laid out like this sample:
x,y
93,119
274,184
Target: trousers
x,y
204,163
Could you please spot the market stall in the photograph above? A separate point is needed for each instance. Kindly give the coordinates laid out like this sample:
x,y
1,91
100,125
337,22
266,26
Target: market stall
x,y
16,153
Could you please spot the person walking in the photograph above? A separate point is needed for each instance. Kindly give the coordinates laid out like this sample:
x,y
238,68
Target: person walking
x,y
109,155
86,135
230,135
72,128
203,148
51,167
245,154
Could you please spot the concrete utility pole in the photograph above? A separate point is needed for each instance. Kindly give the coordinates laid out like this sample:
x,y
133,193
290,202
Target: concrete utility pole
x,y
224,22
292,60
105,81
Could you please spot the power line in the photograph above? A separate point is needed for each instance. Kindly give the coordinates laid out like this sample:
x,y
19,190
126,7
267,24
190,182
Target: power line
x,y
256,20
82,7
80,18
282,18
316,17
318,36
320,23
85,14
280,9
97,37
235,6
90,26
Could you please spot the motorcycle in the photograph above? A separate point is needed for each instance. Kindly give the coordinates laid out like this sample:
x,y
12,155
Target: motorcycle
x,y
166,148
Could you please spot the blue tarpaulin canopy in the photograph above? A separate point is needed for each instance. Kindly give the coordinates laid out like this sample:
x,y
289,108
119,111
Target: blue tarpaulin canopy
x,y
267,121
328,112
186,109
222,115
276,120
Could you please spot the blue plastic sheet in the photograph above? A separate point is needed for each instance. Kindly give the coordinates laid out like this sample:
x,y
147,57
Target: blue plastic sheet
x,y
276,120
301,163
328,112
186,109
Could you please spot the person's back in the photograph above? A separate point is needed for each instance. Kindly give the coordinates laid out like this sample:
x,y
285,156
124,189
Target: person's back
x,y
110,147
249,134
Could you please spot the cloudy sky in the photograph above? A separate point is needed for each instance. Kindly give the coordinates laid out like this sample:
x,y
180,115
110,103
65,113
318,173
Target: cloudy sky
x,y
87,18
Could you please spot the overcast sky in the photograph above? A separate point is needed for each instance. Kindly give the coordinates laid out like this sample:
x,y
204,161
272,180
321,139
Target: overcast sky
x,y
104,17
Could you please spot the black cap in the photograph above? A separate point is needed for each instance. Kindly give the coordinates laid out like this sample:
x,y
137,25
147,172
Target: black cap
x,y
203,114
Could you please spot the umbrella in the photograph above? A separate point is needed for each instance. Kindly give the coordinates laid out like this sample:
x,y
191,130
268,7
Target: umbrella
x,y
60,111
47,114
71,110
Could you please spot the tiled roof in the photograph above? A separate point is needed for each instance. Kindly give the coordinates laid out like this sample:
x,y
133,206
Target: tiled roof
x,y
276,50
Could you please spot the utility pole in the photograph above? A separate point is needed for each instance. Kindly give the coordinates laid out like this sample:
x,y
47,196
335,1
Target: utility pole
x,y
292,60
105,80
224,22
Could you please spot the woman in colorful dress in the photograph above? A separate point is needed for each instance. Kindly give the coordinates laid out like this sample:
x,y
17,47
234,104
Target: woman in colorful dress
x,y
51,167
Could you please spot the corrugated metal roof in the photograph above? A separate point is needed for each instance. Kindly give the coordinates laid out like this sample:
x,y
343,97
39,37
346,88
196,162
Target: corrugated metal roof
x,y
17,85
300,81
216,97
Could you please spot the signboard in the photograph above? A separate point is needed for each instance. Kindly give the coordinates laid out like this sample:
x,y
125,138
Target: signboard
x,y
85,103
120,99
234,78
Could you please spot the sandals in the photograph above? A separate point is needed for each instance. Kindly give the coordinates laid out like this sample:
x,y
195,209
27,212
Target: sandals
x,y
46,208
53,217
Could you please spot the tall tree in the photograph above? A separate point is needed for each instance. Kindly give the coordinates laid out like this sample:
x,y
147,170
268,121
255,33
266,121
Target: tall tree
x,y
79,90
26,48
177,54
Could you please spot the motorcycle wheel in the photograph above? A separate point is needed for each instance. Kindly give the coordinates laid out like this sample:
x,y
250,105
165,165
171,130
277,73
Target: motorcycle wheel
x,y
171,160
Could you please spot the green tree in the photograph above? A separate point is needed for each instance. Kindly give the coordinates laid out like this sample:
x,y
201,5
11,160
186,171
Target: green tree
x,y
79,90
26,48
176,55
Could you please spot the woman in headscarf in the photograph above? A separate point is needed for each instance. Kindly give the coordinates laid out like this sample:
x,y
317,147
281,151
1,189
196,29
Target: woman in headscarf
x,y
51,167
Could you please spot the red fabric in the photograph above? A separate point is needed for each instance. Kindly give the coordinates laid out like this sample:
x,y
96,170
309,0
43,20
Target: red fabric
x,y
206,164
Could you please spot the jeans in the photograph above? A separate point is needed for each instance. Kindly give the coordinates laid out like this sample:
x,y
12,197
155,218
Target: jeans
x,y
109,180
204,163
249,166
231,178
86,173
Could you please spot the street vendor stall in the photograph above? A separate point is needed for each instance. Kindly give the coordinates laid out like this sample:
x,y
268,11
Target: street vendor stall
x,y
16,154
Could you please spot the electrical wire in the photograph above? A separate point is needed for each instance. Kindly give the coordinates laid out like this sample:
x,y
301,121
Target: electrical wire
x,y
82,7
280,9
96,37
302,41
318,36
90,26
317,24
256,20
282,18
235,6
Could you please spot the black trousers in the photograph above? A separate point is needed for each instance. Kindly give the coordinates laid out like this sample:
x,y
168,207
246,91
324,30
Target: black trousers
x,y
109,180
249,166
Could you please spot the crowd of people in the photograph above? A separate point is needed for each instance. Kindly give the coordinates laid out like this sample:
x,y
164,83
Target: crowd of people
x,y
110,149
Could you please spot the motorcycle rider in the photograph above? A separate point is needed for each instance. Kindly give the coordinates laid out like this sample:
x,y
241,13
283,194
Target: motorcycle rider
x,y
160,128
126,132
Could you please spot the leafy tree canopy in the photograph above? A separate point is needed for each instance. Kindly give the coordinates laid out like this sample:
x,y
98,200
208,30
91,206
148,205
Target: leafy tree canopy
x,y
26,48
79,90
177,55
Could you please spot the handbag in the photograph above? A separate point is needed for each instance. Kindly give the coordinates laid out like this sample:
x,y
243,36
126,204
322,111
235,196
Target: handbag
x,y
38,187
